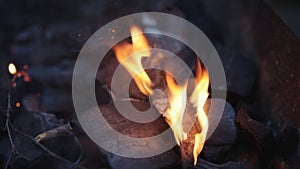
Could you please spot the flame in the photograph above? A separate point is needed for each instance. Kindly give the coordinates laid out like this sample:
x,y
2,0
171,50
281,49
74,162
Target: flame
x,y
174,114
130,56
12,69
133,64
198,99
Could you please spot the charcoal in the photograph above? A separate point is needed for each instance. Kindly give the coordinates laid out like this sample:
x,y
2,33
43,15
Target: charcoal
x,y
225,135
280,164
102,95
293,162
106,69
220,141
257,135
208,165
127,127
156,162
140,130
244,154
110,63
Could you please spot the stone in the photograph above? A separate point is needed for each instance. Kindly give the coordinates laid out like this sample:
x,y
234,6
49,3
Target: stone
x,y
225,135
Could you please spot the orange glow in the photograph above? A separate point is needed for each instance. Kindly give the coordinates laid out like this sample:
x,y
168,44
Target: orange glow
x,y
130,55
12,69
174,114
198,99
18,104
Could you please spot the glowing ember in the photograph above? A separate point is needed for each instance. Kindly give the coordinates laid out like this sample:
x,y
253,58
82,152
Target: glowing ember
x,y
130,55
12,69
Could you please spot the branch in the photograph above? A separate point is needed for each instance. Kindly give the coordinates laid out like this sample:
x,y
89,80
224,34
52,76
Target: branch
x,y
45,148
54,132
43,136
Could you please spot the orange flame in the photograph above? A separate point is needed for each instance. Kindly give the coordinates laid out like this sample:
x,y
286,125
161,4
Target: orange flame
x,y
130,55
198,98
174,114
12,69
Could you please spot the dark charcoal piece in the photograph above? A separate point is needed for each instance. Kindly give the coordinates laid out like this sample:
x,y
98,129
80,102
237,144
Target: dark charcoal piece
x,y
107,68
293,162
280,164
202,164
138,130
257,135
244,154
225,135
102,95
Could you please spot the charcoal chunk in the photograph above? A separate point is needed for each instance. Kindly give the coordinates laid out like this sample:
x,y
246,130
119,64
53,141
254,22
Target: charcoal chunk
x,y
257,135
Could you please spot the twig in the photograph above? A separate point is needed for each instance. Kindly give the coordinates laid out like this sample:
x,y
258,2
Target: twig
x,y
9,125
9,158
80,156
8,110
61,130
45,148
14,150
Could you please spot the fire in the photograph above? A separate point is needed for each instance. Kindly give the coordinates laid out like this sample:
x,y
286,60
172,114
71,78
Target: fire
x,y
133,64
12,69
198,99
130,56
174,114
